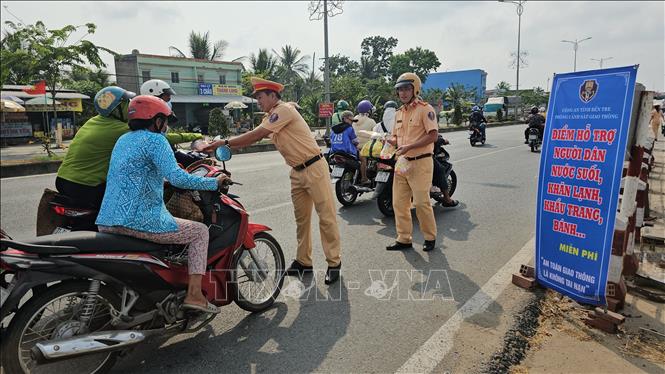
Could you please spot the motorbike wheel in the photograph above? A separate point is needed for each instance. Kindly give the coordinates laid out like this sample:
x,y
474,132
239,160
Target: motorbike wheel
x,y
247,277
344,190
452,183
385,203
482,142
472,143
533,147
54,314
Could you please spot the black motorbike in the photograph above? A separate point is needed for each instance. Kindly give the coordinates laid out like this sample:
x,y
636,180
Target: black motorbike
x,y
476,133
346,176
385,176
535,139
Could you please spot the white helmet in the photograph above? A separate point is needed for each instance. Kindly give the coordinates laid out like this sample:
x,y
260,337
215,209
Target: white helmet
x,y
156,87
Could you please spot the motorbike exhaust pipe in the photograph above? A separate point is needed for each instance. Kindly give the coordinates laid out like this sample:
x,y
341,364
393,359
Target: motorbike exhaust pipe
x,y
98,342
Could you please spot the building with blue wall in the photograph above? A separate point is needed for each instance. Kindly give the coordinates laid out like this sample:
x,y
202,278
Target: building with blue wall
x,y
475,79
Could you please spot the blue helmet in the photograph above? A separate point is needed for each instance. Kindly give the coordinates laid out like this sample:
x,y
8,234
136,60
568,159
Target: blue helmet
x,y
108,98
475,108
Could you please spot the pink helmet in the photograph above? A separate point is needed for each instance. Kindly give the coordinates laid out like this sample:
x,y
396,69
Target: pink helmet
x,y
147,107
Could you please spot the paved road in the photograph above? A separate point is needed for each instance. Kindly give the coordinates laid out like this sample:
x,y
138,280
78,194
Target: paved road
x,y
347,328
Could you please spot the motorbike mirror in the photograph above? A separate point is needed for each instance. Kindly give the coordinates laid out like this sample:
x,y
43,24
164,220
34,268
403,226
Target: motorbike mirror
x,y
223,153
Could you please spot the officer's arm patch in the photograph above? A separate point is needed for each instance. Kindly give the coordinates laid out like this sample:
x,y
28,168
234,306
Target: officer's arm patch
x,y
431,116
273,118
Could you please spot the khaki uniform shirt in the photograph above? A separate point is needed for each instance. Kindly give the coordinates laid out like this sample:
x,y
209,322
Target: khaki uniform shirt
x,y
290,134
413,121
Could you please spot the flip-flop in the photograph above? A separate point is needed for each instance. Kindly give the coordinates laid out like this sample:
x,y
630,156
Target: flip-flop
x,y
209,308
452,204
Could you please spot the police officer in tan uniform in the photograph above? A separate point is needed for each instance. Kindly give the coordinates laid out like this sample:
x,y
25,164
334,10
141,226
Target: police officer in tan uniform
x,y
310,181
414,134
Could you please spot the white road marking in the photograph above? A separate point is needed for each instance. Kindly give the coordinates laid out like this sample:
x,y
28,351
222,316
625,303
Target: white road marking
x,y
486,154
29,176
432,352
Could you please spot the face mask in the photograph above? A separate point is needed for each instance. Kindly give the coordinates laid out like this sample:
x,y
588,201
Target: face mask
x,y
169,104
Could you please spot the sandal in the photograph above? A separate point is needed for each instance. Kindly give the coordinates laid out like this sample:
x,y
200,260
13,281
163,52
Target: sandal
x,y
451,204
209,308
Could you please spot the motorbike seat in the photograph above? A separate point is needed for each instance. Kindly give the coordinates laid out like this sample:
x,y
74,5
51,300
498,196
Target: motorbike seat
x,y
83,242
71,203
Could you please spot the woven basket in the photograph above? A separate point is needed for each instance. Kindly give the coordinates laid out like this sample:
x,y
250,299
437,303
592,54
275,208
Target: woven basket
x,y
182,205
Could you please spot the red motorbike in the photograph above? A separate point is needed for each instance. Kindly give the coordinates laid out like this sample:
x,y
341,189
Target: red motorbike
x,y
76,301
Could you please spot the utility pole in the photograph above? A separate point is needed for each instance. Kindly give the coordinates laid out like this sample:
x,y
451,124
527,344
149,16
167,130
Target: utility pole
x,y
324,9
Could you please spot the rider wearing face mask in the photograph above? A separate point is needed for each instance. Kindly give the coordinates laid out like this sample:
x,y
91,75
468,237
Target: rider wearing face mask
x,y
388,119
82,174
134,201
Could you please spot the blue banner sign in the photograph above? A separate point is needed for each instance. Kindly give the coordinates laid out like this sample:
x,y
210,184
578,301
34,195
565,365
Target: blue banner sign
x,y
205,89
587,124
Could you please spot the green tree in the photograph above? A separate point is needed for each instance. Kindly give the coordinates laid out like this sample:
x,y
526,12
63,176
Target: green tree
x,y
218,124
536,97
418,60
502,88
342,65
290,70
18,66
377,50
50,52
458,96
349,88
201,47
263,63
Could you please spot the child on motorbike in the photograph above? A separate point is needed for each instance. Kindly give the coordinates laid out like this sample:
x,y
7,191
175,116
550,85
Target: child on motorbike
x,y
343,137
134,201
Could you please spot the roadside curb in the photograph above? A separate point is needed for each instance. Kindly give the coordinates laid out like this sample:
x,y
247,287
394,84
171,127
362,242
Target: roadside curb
x,y
20,168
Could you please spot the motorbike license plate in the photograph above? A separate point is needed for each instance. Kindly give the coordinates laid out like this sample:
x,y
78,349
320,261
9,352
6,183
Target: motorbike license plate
x,y
337,172
382,177
533,137
61,230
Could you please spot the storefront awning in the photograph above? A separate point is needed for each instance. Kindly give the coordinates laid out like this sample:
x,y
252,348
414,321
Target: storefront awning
x,y
210,99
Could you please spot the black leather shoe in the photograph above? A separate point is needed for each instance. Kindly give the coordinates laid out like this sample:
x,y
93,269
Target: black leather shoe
x,y
297,269
399,246
332,274
429,245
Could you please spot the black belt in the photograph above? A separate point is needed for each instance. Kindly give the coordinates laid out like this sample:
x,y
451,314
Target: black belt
x,y
308,162
418,157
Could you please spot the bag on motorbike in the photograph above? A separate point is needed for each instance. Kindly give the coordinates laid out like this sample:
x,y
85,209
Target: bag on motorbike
x,y
387,151
372,148
402,166
47,220
182,205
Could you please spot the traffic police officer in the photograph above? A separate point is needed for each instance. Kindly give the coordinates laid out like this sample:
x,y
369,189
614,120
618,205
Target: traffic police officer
x,y
310,181
414,134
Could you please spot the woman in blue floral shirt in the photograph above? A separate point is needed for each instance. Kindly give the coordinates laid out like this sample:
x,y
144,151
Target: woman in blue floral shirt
x,y
133,204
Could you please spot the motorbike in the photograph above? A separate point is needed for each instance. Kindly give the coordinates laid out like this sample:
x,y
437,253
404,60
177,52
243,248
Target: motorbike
x,y
475,134
345,174
58,213
385,176
80,300
534,139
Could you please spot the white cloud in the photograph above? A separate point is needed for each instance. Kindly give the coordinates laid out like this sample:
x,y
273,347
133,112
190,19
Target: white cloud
x,y
464,35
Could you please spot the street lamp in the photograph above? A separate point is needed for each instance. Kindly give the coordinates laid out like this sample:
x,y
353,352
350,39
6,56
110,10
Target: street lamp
x,y
575,44
520,9
601,60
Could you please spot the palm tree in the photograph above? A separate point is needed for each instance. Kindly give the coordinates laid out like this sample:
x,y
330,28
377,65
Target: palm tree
x,y
458,95
503,87
263,63
367,68
291,67
201,47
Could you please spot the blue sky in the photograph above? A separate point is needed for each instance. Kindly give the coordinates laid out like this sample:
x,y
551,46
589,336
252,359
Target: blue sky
x,y
464,35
